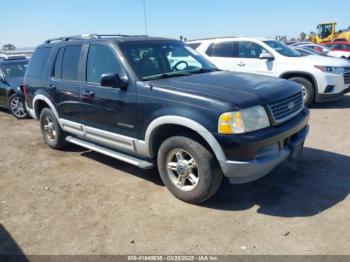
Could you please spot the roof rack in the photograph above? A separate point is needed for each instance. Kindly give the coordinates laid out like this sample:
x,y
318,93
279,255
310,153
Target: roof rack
x,y
87,36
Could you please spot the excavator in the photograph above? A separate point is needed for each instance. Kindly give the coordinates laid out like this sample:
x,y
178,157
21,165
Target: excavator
x,y
326,33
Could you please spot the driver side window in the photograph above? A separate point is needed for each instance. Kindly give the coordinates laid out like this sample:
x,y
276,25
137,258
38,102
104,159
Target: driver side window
x,y
250,50
101,60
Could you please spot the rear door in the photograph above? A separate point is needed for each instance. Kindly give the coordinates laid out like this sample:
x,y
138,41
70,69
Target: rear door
x,y
249,59
65,82
109,114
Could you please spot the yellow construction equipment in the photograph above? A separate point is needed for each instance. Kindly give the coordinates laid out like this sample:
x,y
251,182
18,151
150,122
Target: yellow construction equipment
x,y
326,33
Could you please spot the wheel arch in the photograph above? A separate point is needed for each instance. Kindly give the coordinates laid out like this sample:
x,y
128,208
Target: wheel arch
x,y
41,101
308,76
166,126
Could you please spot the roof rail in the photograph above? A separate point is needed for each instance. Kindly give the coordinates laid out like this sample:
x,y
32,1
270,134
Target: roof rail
x,y
86,36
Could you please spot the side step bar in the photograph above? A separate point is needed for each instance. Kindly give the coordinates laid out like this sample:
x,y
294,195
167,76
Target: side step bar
x,y
120,156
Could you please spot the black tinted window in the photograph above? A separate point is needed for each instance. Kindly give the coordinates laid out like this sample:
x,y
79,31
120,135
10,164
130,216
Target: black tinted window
x,y
58,63
224,49
194,45
101,60
38,61
250,50
70,63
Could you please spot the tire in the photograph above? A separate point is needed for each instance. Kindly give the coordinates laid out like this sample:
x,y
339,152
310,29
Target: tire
x,y
200,178
17,106
308,89
51,130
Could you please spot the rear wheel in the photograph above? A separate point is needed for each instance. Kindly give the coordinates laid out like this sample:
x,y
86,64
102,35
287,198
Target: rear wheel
x,y
188,169
308,89
51,130
17,106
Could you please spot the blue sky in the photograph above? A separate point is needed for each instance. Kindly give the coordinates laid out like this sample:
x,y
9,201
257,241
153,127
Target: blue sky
x,y
30,22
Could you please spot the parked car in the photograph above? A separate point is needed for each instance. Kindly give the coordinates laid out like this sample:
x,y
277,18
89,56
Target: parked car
x,y
305,51
12,71
340,48
323,48
125,97
322,78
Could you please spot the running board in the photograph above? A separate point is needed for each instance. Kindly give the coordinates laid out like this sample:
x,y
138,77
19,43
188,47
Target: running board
x,y
120,156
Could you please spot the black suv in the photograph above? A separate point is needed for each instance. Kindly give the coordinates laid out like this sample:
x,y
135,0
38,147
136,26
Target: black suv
x,y
12,71
150,101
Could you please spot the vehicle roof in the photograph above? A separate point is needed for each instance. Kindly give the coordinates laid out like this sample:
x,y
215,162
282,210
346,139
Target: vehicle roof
x,y
336,42
229,38
13,61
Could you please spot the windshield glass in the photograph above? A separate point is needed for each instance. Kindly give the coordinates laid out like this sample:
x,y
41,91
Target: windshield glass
x,y
13,70
162,59
282,48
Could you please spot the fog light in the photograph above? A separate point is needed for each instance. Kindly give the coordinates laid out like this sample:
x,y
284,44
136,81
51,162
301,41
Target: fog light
x,y
329,89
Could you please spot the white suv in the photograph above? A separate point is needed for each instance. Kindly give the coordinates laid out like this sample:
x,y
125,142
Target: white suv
x,y
322,78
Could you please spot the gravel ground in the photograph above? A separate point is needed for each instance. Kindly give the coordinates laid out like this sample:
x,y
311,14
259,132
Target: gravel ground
x,y
80,202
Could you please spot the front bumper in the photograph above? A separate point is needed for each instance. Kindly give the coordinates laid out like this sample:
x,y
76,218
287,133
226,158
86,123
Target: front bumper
x,y
331,96
268,152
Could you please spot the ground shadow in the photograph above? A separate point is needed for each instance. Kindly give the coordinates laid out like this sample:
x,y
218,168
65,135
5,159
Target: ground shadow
x,y
305,187
342,103
8,246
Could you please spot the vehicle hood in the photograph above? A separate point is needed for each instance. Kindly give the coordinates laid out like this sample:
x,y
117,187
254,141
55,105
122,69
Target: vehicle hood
x,y
14,81
320,60
240,89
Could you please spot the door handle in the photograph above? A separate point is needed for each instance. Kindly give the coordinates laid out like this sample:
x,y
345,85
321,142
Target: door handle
x,y
241,64
88,93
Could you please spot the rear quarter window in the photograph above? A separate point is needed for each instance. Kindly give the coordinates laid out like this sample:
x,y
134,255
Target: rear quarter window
x,y
38,61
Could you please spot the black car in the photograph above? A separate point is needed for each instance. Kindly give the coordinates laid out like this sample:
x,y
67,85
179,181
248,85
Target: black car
x,y
12,71
154,101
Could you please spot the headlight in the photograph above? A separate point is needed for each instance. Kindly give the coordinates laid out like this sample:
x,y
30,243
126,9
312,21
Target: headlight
x,y
331,69
243,121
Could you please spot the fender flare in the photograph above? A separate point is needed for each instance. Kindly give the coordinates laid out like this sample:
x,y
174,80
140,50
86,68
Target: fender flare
x,y
41,97
145,147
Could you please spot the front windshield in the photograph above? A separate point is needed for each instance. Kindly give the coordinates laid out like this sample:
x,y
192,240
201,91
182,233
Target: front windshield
x,y
282,48
161,59
323,31
13,70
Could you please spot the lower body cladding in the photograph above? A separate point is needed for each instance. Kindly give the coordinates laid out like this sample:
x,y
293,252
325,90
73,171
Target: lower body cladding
x,y
333,87
263,153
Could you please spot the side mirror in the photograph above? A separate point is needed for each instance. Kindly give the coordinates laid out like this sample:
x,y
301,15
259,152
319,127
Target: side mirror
x,y
267,56
114,81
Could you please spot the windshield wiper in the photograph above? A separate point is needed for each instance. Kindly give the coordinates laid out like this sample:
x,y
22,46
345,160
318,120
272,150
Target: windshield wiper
x,y
166,75
204,70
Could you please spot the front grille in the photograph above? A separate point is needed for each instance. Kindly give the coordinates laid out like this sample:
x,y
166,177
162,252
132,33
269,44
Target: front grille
x,y
347,75
286,108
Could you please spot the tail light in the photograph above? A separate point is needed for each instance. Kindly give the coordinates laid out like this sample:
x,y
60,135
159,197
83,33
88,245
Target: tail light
x,y
24,89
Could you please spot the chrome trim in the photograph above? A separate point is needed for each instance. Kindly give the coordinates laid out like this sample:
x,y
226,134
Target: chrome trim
x,y
72,127
117,155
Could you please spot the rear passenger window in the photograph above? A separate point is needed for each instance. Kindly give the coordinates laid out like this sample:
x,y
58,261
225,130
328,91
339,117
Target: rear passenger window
x,y
38,61
101,60
70,63
58,63
223,49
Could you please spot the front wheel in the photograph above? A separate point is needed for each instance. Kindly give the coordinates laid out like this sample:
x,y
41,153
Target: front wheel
x,y
188,169
17,106
308,89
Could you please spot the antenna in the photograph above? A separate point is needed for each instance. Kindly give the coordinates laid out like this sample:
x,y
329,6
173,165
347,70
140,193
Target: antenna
x,y
145,15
